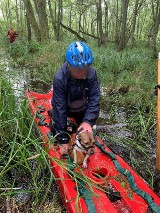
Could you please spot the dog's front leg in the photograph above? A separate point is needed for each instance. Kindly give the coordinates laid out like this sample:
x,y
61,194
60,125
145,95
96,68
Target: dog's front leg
x,y
85,161
75,155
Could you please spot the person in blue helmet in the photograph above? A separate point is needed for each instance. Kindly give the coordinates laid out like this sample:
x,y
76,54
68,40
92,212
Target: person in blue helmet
x,y
76,93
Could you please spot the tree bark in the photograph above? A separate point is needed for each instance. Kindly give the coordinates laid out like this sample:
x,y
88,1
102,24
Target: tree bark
x,y
32,19
106,25
52,17
59,20
156,18
17,14
29,32
36,6
9,13
74,32
99,21
92,26
123,39
21,15
43,21
90,35
134,22
79,22
118,24
70,17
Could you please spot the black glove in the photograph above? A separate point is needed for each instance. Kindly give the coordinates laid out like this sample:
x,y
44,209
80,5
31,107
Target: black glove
x,y
63,138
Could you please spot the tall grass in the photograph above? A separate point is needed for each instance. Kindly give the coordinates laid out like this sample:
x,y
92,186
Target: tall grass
x,y
24,164
19,147
129,76
133,138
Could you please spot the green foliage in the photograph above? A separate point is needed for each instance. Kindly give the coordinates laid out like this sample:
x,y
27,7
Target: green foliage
x,y
20,50
128,76
18,143
24,161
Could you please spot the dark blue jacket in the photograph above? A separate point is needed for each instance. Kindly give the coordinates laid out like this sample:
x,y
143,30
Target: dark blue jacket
x,y
59,99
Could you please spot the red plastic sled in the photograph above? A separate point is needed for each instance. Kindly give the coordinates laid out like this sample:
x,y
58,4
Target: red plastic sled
x,y
101,172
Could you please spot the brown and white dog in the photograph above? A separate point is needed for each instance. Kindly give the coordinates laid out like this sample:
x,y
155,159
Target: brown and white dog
x,y
83,147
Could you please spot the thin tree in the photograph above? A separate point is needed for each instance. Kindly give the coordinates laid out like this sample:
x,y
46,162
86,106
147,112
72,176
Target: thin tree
x,y
43,20
53,21
156,23
32,19
59,19
123,39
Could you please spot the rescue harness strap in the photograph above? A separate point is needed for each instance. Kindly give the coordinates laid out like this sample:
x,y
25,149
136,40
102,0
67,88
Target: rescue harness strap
x,y
85,192
130,178
81,186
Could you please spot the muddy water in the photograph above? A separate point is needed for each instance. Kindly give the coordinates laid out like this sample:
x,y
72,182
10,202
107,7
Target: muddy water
x,y
112,126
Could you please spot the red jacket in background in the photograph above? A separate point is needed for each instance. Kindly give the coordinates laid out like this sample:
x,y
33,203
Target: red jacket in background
x,y
12,34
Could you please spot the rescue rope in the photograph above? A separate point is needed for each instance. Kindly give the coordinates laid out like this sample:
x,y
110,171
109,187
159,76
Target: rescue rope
x,y
81,187
130,178
41,117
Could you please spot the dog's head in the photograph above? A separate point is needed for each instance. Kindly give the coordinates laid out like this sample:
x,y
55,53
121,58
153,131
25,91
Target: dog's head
x,y
87,141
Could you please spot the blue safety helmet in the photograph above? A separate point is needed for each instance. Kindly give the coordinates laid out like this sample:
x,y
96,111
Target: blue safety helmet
x,y
79,54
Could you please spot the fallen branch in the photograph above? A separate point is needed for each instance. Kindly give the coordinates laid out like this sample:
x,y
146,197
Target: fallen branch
x,y
88,34
73,32
93,36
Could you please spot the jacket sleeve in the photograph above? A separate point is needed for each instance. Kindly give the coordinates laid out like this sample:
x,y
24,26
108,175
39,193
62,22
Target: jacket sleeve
x,y
93,106
60,110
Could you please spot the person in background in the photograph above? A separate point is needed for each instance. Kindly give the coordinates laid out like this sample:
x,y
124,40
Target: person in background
x,y
76,93
12,35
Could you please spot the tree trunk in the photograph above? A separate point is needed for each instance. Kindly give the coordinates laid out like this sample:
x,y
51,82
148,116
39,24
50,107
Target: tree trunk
x,y
79,22
55,11
106,25
9,13
36,6
29,32
70,17
21,15
99,21
43,21
17,14
74,32
32,19
134,22
52,17
93,26
59,19
118,24
123,39
83,22
156,18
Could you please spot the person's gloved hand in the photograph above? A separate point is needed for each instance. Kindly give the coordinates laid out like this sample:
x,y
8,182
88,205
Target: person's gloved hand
x,y
63,148
85,127
63,143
